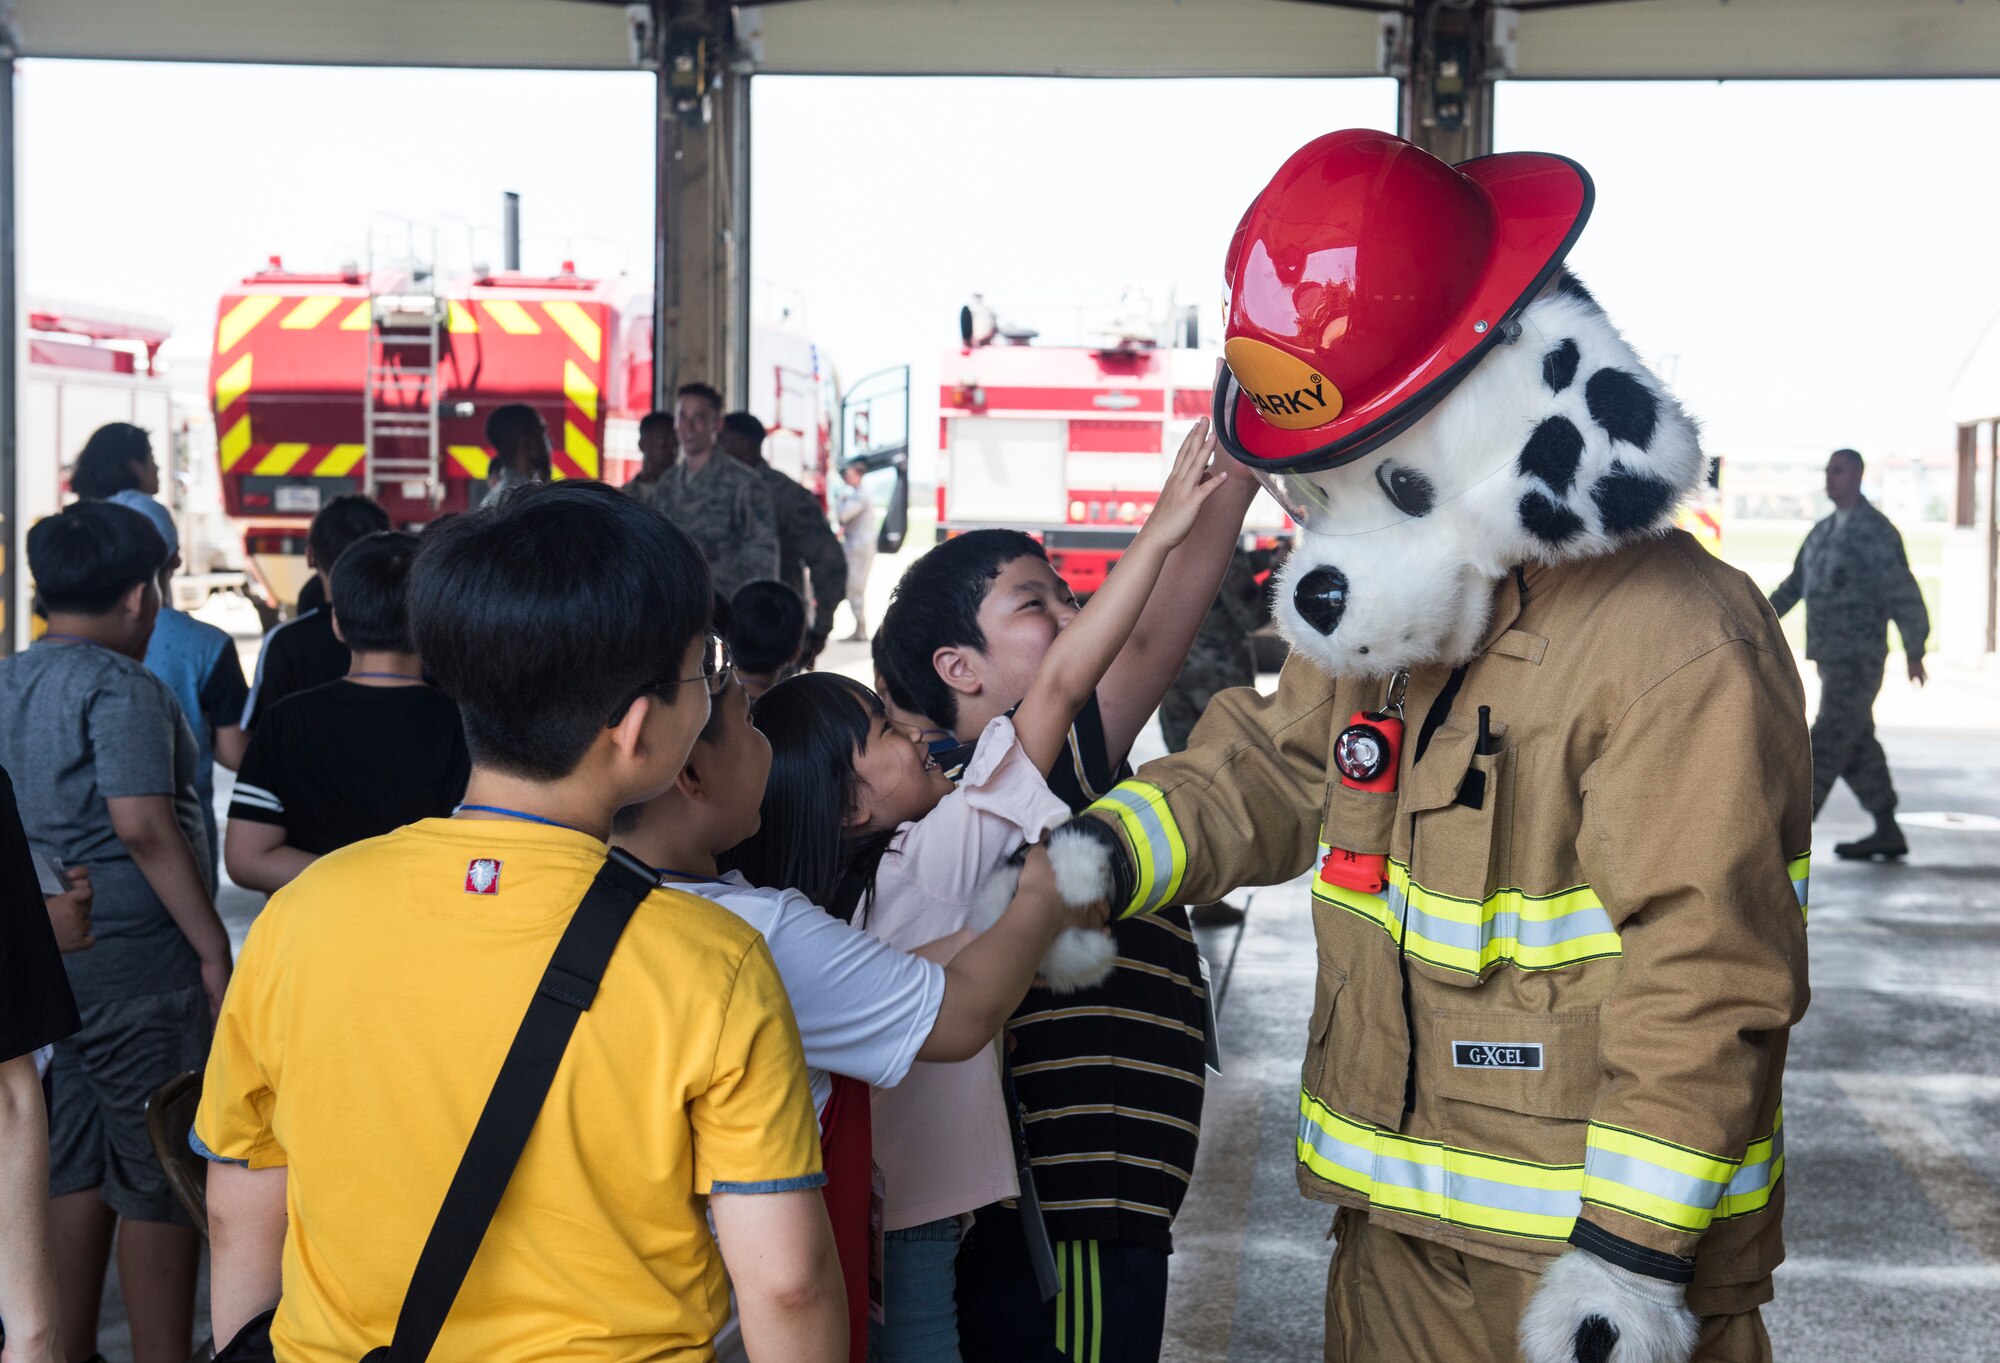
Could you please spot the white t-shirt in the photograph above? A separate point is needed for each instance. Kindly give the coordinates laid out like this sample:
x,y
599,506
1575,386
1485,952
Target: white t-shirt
x,y
863,1007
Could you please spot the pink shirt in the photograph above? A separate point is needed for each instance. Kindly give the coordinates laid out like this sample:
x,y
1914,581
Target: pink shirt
x,y
941,1135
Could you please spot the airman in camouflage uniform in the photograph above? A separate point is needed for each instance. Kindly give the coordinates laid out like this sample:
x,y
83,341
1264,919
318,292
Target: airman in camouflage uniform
x,y
723,506
1853,576
806,542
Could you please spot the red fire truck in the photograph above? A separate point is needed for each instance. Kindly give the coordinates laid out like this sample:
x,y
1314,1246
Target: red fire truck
x,y
1071,443
380,381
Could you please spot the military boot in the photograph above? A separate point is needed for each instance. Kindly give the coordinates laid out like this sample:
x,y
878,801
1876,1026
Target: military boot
x,y
1885,842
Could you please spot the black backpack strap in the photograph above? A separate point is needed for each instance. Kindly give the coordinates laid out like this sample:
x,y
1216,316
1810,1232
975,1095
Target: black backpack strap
x,y
567,988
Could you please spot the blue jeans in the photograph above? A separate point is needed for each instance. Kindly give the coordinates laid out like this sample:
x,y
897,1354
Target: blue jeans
x,y
919,1286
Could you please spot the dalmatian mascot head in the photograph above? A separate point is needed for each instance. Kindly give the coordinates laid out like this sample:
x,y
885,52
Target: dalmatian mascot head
x,y
1432,397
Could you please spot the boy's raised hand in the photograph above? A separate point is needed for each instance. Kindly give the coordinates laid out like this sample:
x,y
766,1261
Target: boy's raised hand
x,y
1193,478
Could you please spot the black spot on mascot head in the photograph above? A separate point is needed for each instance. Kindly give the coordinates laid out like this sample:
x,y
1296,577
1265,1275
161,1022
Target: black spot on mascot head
x,y
1549,521
1559,366
1553,453
1623,406
1628,501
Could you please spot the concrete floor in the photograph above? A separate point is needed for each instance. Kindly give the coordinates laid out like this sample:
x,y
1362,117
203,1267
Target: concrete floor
x,y
1892,1105
1892,1098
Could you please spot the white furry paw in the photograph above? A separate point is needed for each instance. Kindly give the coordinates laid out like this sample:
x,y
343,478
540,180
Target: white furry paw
x,y
1590,1311
1082,864
1079,958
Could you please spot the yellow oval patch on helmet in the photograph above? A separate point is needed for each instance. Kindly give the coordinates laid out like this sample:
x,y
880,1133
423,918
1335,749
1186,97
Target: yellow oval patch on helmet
x,y
1286,391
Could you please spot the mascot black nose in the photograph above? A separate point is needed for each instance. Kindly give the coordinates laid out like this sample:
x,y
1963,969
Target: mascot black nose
x,y
1321,598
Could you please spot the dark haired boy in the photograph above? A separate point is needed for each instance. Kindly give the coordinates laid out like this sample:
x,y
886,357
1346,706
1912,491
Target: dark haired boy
x,y
357,757
303,652
722,505
1110,1079
379,991
104,764
767,635
806,543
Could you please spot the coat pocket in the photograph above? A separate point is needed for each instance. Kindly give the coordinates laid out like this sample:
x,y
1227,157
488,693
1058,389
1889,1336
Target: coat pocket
x,y
1317,1075
1461,807
1520,1085
1358,820
1454,928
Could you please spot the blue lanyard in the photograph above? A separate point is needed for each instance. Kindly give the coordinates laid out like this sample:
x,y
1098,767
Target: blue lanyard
x,y
71,639
521,814
399,676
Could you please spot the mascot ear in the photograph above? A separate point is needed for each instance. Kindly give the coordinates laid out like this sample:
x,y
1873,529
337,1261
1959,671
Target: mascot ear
x,y
1609,453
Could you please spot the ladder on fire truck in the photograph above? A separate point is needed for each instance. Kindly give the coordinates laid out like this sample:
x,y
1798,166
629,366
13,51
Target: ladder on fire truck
x,y
407,318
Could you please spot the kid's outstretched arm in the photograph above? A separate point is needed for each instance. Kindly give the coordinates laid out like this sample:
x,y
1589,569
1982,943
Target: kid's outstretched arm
x,y
1076,662
1138,678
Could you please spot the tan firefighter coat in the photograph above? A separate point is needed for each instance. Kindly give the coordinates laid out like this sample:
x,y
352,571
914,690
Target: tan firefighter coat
x,y
1566,1012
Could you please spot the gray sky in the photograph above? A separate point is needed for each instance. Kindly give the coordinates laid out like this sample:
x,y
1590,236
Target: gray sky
x,y
1810,263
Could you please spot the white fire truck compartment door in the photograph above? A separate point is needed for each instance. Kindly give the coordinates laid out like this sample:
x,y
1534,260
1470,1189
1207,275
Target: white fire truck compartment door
x,y
1007,472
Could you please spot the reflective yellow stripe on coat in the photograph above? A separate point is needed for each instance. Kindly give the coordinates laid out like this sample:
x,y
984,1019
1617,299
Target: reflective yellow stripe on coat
x,y
1622,1170
1158,850
1534,932
1531,931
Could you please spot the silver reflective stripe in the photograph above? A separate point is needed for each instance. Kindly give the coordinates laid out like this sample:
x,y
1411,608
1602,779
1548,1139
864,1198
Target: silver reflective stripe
x,y
1373,1169
1753,1178
1483,1192
1157,844
1799,889
1632,1172
1358,1160
1504,923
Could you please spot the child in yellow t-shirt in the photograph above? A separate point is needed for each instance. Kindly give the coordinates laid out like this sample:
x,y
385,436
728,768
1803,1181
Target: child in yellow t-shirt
x,y
379,991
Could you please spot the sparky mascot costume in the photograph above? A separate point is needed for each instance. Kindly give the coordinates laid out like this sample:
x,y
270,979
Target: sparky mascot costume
x,y
1545,757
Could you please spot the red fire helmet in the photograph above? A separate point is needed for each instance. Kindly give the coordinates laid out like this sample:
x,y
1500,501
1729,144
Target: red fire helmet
x,y
1368,278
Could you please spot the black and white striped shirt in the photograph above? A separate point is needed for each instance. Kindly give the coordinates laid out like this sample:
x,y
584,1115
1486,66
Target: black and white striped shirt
x,y
1112,1078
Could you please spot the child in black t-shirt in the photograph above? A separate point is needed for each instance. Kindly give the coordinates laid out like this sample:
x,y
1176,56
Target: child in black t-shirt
x,y
355,758
304,651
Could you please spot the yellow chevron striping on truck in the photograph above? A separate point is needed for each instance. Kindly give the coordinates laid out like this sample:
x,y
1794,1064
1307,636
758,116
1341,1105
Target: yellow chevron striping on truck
x,y
581,326
511,317
235,443
231,384
237,322
309,313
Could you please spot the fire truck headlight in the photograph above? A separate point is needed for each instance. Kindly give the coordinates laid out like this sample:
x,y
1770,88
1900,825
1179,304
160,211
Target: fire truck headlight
x,y
1128,512
1077,511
